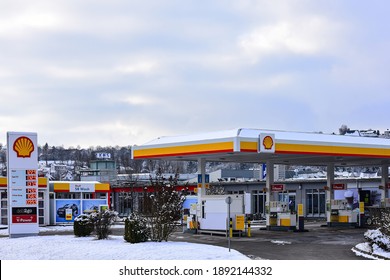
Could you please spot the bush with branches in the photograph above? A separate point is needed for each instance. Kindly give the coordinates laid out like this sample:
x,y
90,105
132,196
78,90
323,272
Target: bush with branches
x,y
163,208
103,222
161,211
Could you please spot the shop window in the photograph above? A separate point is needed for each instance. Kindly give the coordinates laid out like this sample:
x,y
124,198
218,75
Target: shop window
x,y
68,195
258,204
235,192
101,195
315,203
87,196
4,216
4,211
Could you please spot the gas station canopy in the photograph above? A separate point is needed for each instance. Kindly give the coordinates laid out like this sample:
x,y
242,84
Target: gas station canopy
x,y
279,147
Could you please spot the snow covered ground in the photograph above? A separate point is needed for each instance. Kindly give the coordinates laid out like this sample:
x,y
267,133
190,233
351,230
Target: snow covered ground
x,y
55,255
69,247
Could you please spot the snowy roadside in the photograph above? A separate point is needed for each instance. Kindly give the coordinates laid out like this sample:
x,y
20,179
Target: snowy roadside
x,y
365,250
69,247
372,249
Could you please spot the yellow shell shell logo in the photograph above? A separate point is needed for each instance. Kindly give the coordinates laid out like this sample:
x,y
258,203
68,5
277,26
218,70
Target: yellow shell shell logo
x,y
23,147
268,142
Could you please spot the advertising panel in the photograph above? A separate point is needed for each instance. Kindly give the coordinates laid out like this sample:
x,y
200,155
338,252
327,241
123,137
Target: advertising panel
x,y
67,210
93,205
22,175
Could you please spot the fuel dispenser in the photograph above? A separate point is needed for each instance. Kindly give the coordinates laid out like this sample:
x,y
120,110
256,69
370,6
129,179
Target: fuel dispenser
x,y
343,210
280,215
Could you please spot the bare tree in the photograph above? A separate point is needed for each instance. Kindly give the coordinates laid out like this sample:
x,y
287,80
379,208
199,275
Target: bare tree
x,y
343,129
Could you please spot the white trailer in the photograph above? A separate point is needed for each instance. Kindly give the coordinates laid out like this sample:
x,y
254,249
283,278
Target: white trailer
x,y
213,211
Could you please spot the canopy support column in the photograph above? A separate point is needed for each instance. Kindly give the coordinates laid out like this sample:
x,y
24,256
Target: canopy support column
x,y
201,188
202,172
329,191
384,183
268,185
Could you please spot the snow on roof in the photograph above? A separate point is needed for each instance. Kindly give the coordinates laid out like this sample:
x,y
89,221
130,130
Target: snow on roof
x,y
281,147
193,137
280,136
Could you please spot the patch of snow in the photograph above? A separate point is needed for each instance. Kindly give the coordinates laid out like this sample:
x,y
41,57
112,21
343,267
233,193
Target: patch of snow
x,y
278,242
370,252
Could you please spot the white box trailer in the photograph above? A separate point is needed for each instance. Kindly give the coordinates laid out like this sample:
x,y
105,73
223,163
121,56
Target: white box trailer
x,y
213,211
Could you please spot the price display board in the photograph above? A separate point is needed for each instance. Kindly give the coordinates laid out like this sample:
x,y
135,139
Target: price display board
x,y
22,183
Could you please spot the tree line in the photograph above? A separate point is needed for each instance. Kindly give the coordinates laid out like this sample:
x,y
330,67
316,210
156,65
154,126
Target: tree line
x,y
82,157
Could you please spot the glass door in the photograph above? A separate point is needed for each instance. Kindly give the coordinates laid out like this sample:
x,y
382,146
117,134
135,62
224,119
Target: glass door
x,y
315,203
258,203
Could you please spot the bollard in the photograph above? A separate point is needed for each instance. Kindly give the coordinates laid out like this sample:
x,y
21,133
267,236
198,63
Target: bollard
x,y
231,228
249,228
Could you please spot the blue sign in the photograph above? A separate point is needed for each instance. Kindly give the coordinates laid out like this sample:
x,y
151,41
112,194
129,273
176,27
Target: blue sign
x,y
264,171
206,178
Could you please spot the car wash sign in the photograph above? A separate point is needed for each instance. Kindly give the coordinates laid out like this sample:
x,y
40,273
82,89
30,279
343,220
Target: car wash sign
x,y
22,163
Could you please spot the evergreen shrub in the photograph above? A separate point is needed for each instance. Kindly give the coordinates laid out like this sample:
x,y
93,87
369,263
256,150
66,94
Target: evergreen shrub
x,y
136,230
83,226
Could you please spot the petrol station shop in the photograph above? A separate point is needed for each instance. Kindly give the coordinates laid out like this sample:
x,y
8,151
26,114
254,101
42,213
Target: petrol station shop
x,y
61,201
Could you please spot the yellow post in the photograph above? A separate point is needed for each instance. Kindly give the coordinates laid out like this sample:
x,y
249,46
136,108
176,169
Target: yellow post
x,y
249,228
231,228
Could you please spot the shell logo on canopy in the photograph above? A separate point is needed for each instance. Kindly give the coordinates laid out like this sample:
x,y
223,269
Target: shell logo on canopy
x,y
23,146
266,143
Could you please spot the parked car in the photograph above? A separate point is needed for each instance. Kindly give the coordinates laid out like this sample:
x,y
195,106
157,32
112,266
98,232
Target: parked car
x,y
61,212
92,209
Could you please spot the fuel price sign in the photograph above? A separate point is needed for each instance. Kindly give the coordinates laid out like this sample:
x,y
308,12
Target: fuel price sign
x,y
22,183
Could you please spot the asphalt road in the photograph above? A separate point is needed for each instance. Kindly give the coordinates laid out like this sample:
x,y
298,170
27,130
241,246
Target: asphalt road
x,y
318,243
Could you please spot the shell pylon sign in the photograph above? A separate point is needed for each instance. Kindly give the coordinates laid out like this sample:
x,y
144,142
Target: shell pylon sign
x,y
23,146
22,175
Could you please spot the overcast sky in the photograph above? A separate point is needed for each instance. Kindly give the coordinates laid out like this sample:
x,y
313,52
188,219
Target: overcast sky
x,y
114,72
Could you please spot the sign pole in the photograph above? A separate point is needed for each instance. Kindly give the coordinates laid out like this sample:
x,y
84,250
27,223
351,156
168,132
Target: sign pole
x,y
228,201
